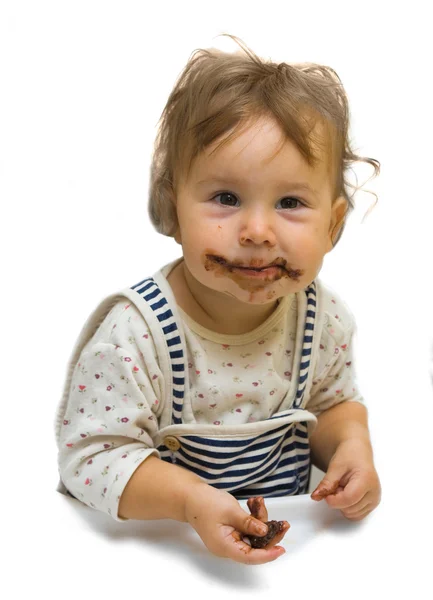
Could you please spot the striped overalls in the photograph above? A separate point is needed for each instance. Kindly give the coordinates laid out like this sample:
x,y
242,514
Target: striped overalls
x,y
239,460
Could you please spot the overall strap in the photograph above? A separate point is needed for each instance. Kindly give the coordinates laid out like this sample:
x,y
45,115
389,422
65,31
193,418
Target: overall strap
x,y
164,323
307,344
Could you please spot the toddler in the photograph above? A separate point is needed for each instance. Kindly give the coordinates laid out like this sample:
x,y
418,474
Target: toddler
x,y
227,373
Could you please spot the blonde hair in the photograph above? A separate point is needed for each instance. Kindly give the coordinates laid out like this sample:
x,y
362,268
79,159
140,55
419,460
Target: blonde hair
x,y
219,91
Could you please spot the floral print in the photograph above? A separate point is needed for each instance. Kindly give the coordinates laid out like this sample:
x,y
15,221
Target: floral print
x,y
116,396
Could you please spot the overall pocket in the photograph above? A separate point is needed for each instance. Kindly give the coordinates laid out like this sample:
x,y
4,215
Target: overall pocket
x,y
274,463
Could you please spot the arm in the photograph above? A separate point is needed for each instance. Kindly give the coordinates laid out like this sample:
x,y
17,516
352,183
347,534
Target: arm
x,y
157,490
341,446
345,421
110,420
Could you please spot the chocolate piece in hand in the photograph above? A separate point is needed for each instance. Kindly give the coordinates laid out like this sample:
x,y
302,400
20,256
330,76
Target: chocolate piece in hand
x,y
274,527
258,510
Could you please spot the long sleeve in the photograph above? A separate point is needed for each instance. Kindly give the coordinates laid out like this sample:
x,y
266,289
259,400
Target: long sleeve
x,y
112,411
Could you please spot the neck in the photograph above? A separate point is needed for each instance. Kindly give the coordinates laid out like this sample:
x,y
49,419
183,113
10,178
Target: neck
x,y
221,312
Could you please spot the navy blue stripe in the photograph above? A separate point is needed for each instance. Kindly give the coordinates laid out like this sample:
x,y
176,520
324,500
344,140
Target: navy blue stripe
x,y
144,288
294,459
156,292
311,313
177,407
179,381
169,328
302,433
309,326
176,354
165,316
304,365
301,445
179,367
306,352
137,284
173,341
159,304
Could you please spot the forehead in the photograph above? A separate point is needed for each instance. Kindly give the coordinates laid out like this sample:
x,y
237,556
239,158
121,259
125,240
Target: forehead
x,y
260,150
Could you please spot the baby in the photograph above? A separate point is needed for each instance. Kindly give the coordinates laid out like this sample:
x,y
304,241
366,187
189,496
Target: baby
x,y
229,372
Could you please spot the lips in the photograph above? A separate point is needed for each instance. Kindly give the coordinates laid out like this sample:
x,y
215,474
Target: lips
x,y
254,266
258,269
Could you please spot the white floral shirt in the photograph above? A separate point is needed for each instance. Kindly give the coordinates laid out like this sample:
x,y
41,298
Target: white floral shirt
x,y
116,393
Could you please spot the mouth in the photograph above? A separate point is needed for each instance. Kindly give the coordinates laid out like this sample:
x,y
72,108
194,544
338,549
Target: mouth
x,y
277,264
275,270
267,273
258,270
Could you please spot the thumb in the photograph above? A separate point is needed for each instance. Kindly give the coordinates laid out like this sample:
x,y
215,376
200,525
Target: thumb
x,y
248,524
330,484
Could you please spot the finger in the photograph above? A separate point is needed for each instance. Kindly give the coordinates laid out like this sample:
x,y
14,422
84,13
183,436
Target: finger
x,y
325,489
239,551
353,493
358,516
359,507
247,524
257,508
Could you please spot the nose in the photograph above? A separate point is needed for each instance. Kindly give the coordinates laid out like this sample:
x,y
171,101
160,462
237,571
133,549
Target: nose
x,y
257,227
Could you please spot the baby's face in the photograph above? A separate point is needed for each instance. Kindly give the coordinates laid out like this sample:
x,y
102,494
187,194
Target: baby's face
x,y
242,208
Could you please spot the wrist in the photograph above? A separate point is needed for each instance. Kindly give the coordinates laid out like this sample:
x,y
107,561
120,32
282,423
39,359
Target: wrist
x,y
356,446
194,498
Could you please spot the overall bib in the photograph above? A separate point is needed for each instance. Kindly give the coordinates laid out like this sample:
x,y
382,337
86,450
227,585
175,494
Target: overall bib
x,y
237,459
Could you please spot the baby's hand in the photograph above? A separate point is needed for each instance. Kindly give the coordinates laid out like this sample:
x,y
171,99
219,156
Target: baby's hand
x,y
351,482
222,524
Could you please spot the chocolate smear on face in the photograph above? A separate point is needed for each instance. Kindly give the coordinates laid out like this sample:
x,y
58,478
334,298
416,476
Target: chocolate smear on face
x,y
221,267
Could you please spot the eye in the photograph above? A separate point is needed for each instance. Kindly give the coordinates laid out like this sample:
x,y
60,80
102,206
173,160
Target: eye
x,y
227,198
291,202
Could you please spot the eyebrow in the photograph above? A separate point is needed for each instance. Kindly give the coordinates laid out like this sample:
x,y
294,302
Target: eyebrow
x,y
299,185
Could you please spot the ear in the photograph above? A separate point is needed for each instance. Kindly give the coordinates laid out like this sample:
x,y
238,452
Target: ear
x,y
338,213
173,201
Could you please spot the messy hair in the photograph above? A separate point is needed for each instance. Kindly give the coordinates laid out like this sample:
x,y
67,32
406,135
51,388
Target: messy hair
x,y
219,91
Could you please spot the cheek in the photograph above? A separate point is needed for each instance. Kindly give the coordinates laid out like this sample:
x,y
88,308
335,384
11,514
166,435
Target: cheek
x,y
307,243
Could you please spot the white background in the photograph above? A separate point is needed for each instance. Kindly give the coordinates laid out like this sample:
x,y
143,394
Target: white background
x,y
82,86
